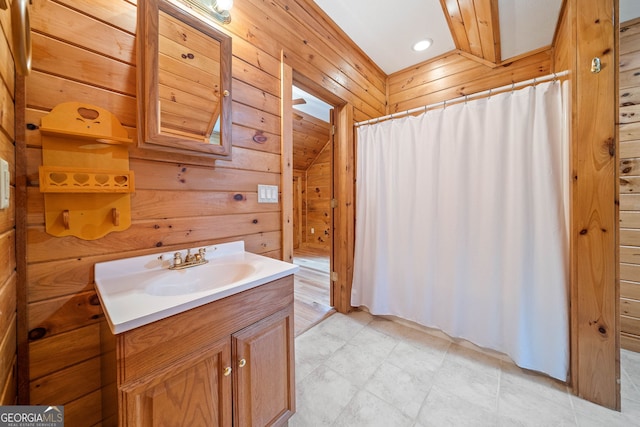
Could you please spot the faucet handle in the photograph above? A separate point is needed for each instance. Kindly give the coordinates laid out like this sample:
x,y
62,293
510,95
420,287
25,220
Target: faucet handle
x,y
177,258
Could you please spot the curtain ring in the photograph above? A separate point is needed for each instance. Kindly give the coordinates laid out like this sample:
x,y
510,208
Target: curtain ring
x,y
513,87
466,98
534,82
444,104
489,97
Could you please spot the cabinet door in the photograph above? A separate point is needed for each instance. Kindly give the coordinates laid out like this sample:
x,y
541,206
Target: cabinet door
x,y
193,392
264,382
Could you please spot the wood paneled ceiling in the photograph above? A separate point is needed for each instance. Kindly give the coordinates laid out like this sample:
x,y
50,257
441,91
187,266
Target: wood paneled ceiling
x,y
475,27
310,135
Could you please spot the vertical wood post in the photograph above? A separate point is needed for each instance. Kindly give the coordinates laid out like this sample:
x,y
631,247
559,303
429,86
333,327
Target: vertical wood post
x,y
594,236
22,325
286,158
344,213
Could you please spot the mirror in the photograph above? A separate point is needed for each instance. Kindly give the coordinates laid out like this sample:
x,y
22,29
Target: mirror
x,y
184,82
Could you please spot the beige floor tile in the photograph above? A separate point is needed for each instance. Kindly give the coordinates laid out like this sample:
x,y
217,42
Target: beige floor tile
x,y
517,380
476,360
444,409
354,364
469,383
321,397
591,415
631,408
399,388
374,342
630,364
344,327
519,404
419,362
631,361
368,410
313,348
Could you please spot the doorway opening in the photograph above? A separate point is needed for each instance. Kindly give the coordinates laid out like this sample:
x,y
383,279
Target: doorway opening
x,y
312,209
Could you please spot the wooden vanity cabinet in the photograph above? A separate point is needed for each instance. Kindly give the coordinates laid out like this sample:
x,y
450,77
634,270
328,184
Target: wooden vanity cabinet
x,y
264,384
191,392
227,363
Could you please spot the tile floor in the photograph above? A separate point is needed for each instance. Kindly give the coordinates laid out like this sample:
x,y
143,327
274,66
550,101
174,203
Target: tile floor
x,y
361,370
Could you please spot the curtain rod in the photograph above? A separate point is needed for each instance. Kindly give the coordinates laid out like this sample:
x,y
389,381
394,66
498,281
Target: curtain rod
x,y
465,97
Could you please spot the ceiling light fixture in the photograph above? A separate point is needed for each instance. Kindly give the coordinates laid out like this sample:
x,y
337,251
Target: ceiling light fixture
x,y
422,45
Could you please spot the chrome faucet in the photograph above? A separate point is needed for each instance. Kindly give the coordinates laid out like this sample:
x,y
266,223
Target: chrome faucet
x,y
190,260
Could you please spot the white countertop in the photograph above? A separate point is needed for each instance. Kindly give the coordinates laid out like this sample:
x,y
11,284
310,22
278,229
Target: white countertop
x,y
140,290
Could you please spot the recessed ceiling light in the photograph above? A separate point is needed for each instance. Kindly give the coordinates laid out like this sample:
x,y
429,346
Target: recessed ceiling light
x,y
422,45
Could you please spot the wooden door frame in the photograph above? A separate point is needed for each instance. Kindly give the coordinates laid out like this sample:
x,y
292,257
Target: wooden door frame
x,y
297,219
342,183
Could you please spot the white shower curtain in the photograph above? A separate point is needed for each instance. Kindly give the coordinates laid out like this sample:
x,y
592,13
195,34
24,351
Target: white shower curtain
x,y
461,223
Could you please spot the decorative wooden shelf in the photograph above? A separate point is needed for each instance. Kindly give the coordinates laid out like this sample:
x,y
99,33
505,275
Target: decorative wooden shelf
x,y
56,179
86,136
85,174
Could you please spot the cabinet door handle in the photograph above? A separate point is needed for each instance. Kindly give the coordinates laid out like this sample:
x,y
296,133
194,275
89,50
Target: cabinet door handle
x,y
242,362
227,371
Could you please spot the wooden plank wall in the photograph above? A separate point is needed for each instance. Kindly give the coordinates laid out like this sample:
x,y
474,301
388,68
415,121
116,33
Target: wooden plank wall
x,y
453,74
318,201
8,385
629,133
84,50
299,207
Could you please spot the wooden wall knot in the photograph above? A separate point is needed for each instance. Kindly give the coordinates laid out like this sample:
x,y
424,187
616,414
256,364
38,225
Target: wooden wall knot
x,y
611,146
37,333
259,137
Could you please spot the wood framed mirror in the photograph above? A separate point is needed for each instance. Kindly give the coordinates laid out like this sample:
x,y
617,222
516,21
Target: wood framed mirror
x,y
184,82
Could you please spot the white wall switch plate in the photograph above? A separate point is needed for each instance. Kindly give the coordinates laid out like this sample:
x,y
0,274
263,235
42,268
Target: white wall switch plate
x,y
267,193
5,181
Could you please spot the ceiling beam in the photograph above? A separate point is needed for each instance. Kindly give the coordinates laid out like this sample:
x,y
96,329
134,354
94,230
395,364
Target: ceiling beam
x,y
475,27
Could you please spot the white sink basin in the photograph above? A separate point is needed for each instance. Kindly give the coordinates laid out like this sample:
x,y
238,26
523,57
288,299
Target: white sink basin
x,y
197,279
140,290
